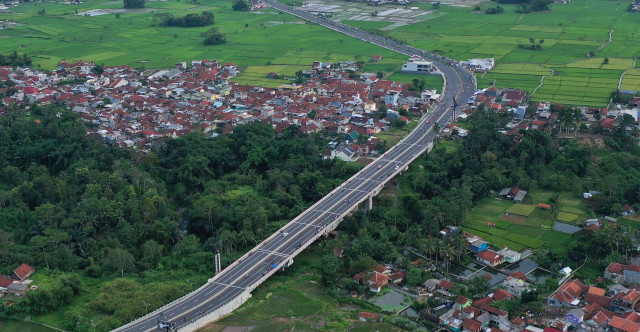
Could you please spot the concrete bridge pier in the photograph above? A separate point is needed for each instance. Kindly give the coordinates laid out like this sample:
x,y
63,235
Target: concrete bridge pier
x,y
429,147
370,203
289,263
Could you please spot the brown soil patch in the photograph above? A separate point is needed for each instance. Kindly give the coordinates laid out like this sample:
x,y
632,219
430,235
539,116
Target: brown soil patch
x,y
515,219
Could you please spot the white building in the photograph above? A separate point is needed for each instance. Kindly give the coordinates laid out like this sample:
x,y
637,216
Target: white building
x,y
482,65
418,66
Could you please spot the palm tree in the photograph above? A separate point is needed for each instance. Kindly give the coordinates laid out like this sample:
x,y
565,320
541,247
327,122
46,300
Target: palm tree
x,y
448,253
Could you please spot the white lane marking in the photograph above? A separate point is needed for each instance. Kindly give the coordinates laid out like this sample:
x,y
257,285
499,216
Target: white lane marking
x,y
301,223
273,252
243,288
327,212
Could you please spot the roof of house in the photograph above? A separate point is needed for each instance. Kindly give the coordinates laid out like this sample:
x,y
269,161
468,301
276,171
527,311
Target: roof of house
x,y
446,285
472,324
569,292
461,300
368,315
631,296
501,294
518,275
603,316
23,271
480,302
489,256
624,325
494,310
595,290
544,206
5,282
616,268
517,321
598,299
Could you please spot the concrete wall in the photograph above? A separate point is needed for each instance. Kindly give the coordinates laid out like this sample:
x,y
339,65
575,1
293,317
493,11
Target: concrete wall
x,y
216,314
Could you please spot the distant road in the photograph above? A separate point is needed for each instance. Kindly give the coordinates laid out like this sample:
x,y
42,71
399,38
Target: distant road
x,y
249,271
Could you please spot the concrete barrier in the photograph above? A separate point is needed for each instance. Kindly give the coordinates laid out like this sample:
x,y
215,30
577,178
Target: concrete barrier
x,y
215,314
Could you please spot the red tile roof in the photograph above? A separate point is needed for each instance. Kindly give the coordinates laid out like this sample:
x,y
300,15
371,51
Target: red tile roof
x,y
446,285
483,301
472,324
461,300
489,256
494,310
624,325
368,315
23,271
5,282
631,296
616,268
501,294
599,299
603,316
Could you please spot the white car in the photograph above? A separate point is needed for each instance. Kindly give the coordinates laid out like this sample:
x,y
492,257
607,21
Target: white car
x,y
285,233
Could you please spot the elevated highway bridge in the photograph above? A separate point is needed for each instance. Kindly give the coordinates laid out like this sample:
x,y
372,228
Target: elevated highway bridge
x,y
231,287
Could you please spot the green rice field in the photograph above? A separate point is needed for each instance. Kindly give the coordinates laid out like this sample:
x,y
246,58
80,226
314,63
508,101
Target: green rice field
x,y
570,31
525,226
253,38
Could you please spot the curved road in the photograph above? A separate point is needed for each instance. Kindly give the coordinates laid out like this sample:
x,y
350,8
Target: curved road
x,y
248,272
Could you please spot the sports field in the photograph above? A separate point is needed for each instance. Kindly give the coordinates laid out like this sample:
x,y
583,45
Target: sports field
x,y
519,226
570,31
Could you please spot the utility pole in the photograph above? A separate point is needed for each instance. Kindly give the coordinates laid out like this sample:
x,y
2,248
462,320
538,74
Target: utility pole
x,y
455,105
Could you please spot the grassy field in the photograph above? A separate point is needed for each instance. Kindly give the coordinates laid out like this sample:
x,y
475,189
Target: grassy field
x,y
296,301
255,39
526,226
257,75
394,135
16,326
569,32
432,81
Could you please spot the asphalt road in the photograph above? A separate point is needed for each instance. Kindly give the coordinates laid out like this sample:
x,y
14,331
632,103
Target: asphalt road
x,y
250,270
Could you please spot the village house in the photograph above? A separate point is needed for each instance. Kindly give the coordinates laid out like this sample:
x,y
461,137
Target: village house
x,y
490,258
23,272
369,317
567,295
510,256
516,283
623,273
514,193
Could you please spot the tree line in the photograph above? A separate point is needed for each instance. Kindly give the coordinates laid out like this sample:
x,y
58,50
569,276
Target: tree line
x,y
187,21
15,60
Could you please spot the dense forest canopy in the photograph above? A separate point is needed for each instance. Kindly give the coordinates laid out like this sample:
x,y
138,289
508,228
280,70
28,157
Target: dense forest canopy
x,y
70,203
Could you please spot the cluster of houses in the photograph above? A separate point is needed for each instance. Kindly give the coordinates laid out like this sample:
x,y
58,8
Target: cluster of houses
x,y
380,277
133,109
543,117
17,283
480,247
590,308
